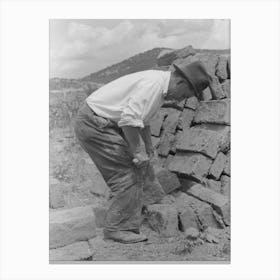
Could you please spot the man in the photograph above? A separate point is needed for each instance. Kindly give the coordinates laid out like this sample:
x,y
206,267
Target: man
x,y
109,127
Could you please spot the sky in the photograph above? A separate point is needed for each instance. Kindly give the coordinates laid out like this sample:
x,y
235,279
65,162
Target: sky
x,y
81,47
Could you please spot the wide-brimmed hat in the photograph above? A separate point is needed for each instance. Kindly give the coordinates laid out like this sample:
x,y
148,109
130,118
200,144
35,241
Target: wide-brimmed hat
x,y
196,74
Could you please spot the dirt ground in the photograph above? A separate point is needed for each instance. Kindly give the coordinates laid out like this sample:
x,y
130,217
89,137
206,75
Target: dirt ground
x,y
157,248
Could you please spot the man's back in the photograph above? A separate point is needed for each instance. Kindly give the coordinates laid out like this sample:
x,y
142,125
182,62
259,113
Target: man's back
x,y
138,94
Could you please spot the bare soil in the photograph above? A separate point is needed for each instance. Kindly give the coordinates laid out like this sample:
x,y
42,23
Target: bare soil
x,y
158,248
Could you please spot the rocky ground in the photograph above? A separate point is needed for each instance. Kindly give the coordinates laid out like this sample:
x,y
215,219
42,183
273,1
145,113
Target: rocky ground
x,y
206,247
212,245
187,213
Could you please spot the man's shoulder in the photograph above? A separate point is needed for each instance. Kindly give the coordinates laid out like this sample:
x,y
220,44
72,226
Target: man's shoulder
x,y
142,77
153,75
153,72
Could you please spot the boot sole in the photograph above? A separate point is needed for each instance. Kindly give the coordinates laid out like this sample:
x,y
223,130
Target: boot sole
x,y
127,242
132,242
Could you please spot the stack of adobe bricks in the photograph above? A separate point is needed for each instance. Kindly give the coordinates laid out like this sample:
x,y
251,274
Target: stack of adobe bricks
x,y
192,137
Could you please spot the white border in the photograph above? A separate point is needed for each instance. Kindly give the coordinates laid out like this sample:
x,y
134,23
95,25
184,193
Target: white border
x,y
255,138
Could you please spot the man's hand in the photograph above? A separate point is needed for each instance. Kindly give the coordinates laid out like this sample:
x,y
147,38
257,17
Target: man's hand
x,y
132,135
140,160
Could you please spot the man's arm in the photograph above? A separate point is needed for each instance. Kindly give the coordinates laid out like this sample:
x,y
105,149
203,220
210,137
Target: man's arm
x,y
144,100
132,135
146,136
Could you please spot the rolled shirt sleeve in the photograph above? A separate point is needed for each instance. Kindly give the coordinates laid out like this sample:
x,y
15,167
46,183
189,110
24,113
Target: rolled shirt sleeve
x,y
142,104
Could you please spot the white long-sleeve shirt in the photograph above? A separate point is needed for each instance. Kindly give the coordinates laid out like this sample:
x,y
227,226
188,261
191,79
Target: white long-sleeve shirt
x,y
131,100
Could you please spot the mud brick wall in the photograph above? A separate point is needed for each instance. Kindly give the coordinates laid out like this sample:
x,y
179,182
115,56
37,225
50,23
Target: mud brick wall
x,y
192,137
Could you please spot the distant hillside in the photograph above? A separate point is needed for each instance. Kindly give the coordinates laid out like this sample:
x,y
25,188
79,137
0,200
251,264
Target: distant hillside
x,y
139,62
143,61
226,51
57,83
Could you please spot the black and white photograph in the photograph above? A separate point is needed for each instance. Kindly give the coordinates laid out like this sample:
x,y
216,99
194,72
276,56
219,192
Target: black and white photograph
x,y
139,139
139,127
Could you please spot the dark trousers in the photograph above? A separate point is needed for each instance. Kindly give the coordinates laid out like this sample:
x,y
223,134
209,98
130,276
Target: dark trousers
x,y
103,140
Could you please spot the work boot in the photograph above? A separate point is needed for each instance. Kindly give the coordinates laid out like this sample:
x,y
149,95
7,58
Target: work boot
x,y
123,236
